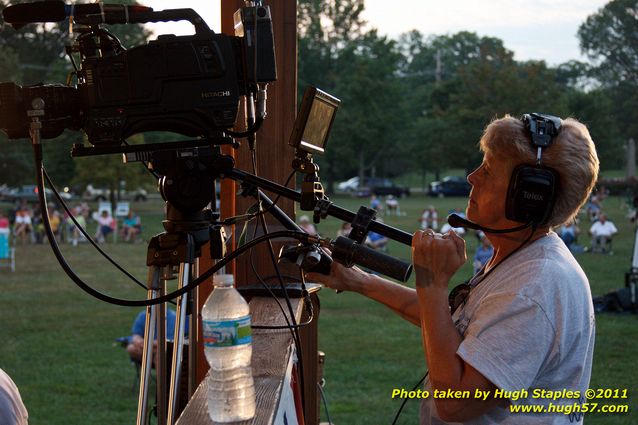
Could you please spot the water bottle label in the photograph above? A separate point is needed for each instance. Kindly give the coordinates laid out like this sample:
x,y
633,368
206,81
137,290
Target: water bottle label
x,y
227,333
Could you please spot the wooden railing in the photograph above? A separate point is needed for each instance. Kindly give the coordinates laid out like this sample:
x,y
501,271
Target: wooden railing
x,y
272,351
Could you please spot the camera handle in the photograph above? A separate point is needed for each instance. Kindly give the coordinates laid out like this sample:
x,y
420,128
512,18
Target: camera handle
x,y
117,14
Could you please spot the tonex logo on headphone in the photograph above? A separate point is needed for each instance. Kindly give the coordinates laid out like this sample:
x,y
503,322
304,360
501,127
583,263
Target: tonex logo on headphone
x,y
532,196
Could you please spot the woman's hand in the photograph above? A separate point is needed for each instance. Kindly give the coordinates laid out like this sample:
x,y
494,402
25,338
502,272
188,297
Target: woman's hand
x,y
341,278
436,257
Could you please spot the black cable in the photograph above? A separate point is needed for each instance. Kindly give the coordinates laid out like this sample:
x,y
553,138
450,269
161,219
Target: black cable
x,y
306,300
272,294
84,232
534,226
294,330
300,325
159,300
262,282
247,217
325,403
405,400
250,131
307,306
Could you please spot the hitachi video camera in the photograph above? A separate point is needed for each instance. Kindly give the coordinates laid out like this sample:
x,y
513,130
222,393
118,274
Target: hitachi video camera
x,y
189,85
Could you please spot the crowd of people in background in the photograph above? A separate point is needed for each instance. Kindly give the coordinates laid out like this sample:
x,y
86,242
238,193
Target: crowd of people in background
x,y
601,229
26,226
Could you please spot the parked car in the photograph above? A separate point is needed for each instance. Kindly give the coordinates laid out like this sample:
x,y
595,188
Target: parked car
x,y
381,187
96,194
4,191
450,186
349,185
29,193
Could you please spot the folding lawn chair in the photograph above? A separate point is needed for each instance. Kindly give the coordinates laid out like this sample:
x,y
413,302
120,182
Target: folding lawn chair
x,y
7,252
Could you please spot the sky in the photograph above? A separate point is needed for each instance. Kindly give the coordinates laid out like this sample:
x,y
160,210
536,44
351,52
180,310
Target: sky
x,y
533,29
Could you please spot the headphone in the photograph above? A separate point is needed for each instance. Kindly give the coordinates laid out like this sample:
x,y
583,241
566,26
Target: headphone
x,y
532,188
531,191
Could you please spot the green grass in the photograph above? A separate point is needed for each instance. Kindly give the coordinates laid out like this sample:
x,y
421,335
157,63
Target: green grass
x,y
57,342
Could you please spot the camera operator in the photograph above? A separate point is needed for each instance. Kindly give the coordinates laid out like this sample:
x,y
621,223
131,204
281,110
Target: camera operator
x,y
526,319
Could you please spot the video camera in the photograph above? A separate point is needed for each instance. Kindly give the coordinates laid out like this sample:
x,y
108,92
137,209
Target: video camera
x,y
189,85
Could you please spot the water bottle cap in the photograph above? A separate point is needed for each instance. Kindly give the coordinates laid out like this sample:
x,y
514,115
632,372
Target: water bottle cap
x,y
223,280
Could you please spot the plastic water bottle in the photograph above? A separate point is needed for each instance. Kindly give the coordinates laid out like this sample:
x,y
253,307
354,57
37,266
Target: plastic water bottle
x,y
228,348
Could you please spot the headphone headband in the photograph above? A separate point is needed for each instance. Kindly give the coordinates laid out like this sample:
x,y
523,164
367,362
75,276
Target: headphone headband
x,y
542,127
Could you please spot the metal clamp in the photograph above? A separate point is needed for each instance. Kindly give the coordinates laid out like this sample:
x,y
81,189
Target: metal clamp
x,y
321,210
361,223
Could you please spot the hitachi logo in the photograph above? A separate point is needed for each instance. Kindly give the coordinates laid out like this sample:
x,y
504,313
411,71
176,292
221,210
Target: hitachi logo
x,y
532,196
209,94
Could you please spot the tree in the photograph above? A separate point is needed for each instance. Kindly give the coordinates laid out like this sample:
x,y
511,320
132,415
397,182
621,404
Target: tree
x,y
459,82
370,116
439,58
326,29
596,110
610,39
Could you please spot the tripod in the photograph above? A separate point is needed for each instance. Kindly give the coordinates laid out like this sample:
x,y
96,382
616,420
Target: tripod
x,y
187,190
178,247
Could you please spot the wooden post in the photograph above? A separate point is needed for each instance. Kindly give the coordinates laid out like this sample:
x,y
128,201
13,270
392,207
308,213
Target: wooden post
x,y
274,158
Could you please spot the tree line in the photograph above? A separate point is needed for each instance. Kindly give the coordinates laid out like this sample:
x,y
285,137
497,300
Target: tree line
x,y
414,104
419,103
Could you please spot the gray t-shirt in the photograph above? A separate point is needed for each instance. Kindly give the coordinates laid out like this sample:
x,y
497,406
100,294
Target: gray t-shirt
x,y
529,325
12,410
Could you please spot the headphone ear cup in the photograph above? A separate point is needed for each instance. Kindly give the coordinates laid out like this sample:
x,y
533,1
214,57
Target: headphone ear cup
x,y
530,195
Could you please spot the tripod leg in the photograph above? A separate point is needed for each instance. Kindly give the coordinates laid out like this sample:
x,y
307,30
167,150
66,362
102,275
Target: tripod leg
x,y
178,343
193,337
161,366
149,339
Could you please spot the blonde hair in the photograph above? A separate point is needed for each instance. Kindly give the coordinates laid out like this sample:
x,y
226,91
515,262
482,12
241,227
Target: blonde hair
x,y
572,156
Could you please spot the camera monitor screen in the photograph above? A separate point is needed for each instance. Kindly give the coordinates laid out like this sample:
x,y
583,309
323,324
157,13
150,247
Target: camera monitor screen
x,y
313,123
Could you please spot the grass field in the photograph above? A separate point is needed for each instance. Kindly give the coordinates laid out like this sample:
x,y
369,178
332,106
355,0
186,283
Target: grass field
x,y
57,342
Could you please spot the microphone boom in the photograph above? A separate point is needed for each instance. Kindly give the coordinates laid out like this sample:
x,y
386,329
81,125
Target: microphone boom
x,y
456,220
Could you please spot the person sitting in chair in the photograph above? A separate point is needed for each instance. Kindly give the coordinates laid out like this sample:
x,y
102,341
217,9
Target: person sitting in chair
x,y
601,233
376,241
131,227
135,346
569,232
105,225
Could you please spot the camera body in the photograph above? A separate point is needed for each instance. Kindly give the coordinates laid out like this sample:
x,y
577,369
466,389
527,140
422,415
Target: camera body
x,y
189,85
